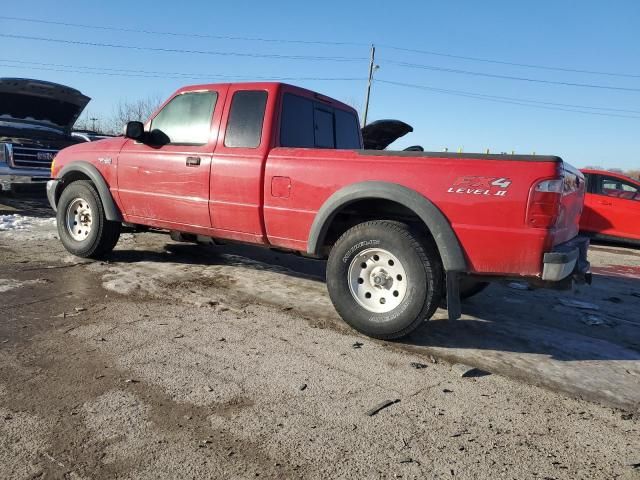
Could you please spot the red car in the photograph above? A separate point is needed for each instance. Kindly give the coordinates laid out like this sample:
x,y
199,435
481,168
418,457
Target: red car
x,y
611,207
283,167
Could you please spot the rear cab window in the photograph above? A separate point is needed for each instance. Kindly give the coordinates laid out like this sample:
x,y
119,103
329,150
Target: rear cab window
x,y
324,128
307,123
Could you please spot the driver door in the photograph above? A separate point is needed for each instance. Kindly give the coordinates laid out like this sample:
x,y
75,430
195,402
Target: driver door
x,y
615,207
167,178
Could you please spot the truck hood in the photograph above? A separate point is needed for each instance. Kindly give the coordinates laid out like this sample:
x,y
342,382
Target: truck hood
x,y
380,134
11,130
36,102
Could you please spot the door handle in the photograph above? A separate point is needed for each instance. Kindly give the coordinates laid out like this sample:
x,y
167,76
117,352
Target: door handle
x,y
604,202
193,161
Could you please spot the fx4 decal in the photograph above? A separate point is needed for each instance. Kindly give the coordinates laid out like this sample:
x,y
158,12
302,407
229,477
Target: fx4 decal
x,y
496,186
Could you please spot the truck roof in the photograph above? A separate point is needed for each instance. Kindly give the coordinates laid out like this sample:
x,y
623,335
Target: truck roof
x,y
271,87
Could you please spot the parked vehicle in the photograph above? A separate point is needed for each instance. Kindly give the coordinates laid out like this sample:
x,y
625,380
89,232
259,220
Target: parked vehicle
x,y
90,135
380,134
280,166
611,207
35,123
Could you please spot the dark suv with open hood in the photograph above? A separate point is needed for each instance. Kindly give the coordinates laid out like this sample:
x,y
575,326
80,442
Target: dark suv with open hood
x,y
36,118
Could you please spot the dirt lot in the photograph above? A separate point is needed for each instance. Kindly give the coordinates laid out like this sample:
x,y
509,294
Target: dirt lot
x,y
180,361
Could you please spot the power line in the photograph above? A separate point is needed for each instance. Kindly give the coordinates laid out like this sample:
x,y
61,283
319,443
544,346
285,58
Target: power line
x,y
515,101
513,64
315,42
84,69
314,58
179,34
177,50
507,77
108,69
118,72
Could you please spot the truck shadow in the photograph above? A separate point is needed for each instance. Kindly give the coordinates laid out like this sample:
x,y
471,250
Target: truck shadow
x,y
501,319
244,256
535,326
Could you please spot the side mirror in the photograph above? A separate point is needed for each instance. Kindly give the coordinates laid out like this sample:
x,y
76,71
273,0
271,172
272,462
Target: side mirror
x,y
134,130
158,138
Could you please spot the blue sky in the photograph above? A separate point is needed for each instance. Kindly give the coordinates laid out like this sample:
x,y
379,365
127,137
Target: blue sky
x,y
578,35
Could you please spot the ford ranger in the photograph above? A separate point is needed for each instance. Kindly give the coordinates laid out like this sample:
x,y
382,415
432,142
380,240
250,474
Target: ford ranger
x,y
275,165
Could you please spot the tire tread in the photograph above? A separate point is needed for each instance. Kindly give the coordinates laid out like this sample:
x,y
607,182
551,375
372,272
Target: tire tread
x,y
108,231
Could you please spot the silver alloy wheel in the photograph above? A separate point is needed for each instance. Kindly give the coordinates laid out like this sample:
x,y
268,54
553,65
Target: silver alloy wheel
x,y
78,219
377,280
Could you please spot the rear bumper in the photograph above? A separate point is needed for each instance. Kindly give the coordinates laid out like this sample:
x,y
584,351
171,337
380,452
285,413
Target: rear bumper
x,y
568,259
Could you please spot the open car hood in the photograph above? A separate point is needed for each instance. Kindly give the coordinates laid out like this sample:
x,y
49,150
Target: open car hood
x,y
380,134
40,103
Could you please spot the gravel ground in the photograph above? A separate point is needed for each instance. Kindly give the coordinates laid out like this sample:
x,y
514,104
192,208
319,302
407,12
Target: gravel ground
x,y
175,362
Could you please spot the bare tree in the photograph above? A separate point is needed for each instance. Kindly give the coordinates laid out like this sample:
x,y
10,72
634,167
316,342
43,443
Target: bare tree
x,y
89,122
353,102
633,174
126,111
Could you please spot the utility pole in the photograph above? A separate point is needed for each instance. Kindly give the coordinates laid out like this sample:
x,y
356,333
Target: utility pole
x,y
372,68
93,119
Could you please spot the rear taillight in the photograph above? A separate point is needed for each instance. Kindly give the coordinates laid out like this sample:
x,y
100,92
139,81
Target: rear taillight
x,y
544,203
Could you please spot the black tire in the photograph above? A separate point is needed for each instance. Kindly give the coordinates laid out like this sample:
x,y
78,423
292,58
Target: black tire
x,y
469,287
419,258
102,235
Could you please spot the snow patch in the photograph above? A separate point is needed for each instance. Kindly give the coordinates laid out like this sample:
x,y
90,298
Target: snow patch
x,y
20,222
238,281
27,228
7,284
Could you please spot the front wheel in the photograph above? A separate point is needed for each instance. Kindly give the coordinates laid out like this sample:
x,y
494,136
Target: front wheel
x,y
83,228
384,279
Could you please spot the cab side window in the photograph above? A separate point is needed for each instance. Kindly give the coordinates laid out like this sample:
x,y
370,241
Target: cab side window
x,y
296,122
305,123
186,119
244,127
615,187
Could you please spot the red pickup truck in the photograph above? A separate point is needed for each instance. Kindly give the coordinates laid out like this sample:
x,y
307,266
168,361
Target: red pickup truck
x,y
280,166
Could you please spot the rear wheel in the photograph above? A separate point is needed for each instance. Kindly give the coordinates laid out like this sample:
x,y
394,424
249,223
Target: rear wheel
x,y
83,228
384,279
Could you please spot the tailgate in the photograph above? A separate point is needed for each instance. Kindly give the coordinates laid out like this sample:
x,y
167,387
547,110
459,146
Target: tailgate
x,y
571,204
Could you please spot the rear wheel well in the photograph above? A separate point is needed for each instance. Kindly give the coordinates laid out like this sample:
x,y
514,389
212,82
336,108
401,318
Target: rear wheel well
x,y
368,209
